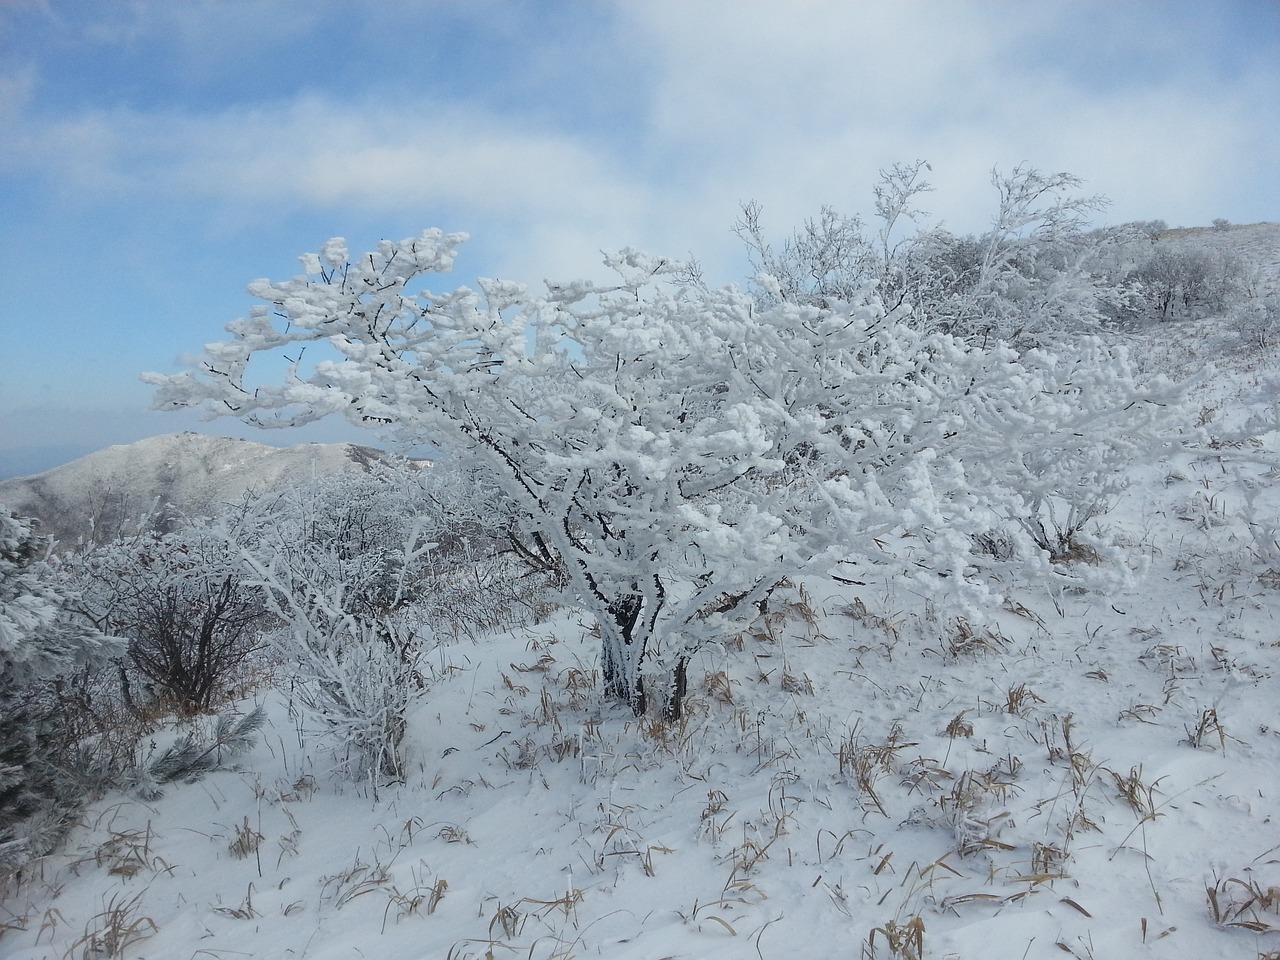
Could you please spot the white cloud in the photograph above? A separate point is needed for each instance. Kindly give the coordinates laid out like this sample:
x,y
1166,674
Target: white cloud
x,y
795,105
553,199
799,104
325,153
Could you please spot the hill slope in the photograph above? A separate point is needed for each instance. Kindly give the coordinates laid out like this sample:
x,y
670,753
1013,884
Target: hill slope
x,y
178,474
1256,243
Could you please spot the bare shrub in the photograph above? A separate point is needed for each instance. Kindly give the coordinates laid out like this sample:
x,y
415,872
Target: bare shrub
x,y
181,599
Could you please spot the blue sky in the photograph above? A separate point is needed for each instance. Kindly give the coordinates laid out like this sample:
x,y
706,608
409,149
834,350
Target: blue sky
x,y
156,155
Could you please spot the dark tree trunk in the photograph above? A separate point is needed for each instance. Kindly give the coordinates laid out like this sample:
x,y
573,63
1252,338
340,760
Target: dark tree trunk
x,y
615,683
626,616
126,691
673,709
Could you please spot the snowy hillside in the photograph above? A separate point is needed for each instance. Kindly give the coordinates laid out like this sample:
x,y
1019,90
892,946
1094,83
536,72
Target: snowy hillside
x,y
1258,243
179,474
1092,776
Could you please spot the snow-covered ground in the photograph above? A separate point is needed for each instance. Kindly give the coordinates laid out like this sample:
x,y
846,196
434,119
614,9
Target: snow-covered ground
x,y
1094,776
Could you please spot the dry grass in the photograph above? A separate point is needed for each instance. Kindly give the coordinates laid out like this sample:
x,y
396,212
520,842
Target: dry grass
x,y
959,726
719,687
788,604
1207,725
903,941
865,763
246,841
356,881
1138,795
1242,903
1019,700
245,911
113,931
798,685
963,639
1048,860
967,806
127,853
713,826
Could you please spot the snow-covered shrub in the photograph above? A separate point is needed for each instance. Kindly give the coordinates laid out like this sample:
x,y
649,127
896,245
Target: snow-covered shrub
x,y
346,529
355,673
352,527
1052,443
1033,280
364,568
343,562
42,641
1185,283
181,601
1033,277
1257,320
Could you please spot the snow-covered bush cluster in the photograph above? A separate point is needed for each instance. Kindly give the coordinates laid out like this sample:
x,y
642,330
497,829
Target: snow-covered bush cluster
x,y
1037,274
42,644
77,634
334,588
673,451
361,572
1040,275
340,562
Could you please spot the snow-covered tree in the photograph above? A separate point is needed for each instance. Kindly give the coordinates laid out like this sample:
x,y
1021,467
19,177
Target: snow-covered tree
x,y
1184,282
1033,279
676,450
42,641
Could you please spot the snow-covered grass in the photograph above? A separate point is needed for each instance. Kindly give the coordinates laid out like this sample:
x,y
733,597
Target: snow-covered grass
x,y
1086,775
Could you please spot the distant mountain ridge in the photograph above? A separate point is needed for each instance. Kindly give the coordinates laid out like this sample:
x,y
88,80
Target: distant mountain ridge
x,y
165,477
